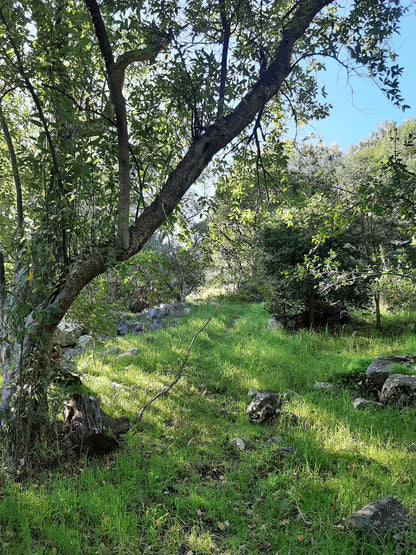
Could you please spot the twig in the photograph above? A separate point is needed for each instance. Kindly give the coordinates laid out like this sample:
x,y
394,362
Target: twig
x,y
166,389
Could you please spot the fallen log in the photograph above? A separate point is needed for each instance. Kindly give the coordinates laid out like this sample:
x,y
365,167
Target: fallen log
x,y
89,429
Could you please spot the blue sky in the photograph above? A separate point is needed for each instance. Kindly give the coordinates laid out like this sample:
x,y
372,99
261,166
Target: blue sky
x,y
359,106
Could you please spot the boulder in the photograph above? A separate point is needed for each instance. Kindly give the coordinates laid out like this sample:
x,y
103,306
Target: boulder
x,y
264,406
155,324
82,344
380,368
67,334
399,387
122,327
252,392
275,324
380,517
238,444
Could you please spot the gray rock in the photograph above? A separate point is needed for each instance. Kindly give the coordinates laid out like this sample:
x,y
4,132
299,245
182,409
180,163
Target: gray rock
x,y
238,443
154,314
130,353
361,403
187,310
380,368
274,324
155,324
399,387
113,351
252,392
274,440
67,354
265,406
83,343
122,327
323,385
67,334
380,517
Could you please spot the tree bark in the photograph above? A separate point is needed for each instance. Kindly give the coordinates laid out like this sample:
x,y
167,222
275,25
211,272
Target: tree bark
x,y
35,330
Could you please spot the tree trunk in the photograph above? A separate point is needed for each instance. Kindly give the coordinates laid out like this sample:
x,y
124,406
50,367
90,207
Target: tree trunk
x,y
378,313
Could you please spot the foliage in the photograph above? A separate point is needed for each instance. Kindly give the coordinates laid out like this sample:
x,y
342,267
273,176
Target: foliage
x,y
111,111
155,275
177,485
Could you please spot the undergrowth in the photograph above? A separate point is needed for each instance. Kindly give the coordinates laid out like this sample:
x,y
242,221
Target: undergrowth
x,y
176,486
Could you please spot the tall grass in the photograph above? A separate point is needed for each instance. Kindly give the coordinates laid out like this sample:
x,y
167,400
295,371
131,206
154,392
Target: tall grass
x,y
178,487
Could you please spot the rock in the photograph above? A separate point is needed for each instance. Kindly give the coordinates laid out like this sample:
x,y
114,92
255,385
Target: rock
x,y
238,443
67,354
252,392
122,327
154,314
264,407
399,387
380,368
274,440
113,351
155,324
323,385
82,344
380,517
187,310
130,353
275,324
360,403
67,334
135,327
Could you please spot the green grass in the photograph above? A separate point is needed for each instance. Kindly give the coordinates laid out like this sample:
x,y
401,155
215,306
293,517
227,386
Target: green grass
x,y
177,487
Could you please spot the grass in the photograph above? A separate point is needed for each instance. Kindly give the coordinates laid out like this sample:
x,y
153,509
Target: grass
x,y
178,487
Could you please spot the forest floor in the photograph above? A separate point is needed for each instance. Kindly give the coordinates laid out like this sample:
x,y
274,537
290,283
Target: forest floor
x,y
178,486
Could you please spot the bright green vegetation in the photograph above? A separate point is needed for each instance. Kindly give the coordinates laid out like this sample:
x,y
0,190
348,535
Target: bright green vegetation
x,y
177,485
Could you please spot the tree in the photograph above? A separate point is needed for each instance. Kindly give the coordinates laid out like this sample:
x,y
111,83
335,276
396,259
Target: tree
x,y
127,104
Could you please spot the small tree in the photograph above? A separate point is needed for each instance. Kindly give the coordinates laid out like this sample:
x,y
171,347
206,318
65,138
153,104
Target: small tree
x,y
125,110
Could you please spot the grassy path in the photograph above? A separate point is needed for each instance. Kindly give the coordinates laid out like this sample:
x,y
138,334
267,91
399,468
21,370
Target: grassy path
x,y
178,487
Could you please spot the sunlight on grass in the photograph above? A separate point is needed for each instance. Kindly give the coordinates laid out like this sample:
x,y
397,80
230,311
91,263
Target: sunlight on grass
x,y
177,486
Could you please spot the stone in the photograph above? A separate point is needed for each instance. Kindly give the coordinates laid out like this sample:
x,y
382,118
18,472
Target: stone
x,y
113,351
130,353
323,385
67,334
122,327
360,404
238,443
264,406
380,517
154,314
274,440
155,324
380,368
82,344
252,392
275,324
399,387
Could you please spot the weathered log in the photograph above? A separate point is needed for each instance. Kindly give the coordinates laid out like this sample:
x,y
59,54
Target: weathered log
x,y
90,430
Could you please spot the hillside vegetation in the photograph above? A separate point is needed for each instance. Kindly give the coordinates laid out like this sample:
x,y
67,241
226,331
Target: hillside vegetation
x,y
177,486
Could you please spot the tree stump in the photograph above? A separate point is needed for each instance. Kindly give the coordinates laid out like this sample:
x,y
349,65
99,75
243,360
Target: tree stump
x,y
88,428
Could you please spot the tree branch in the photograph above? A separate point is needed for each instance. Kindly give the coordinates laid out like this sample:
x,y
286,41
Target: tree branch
x,y
225,45
146,54
121,120
16,174
165,390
